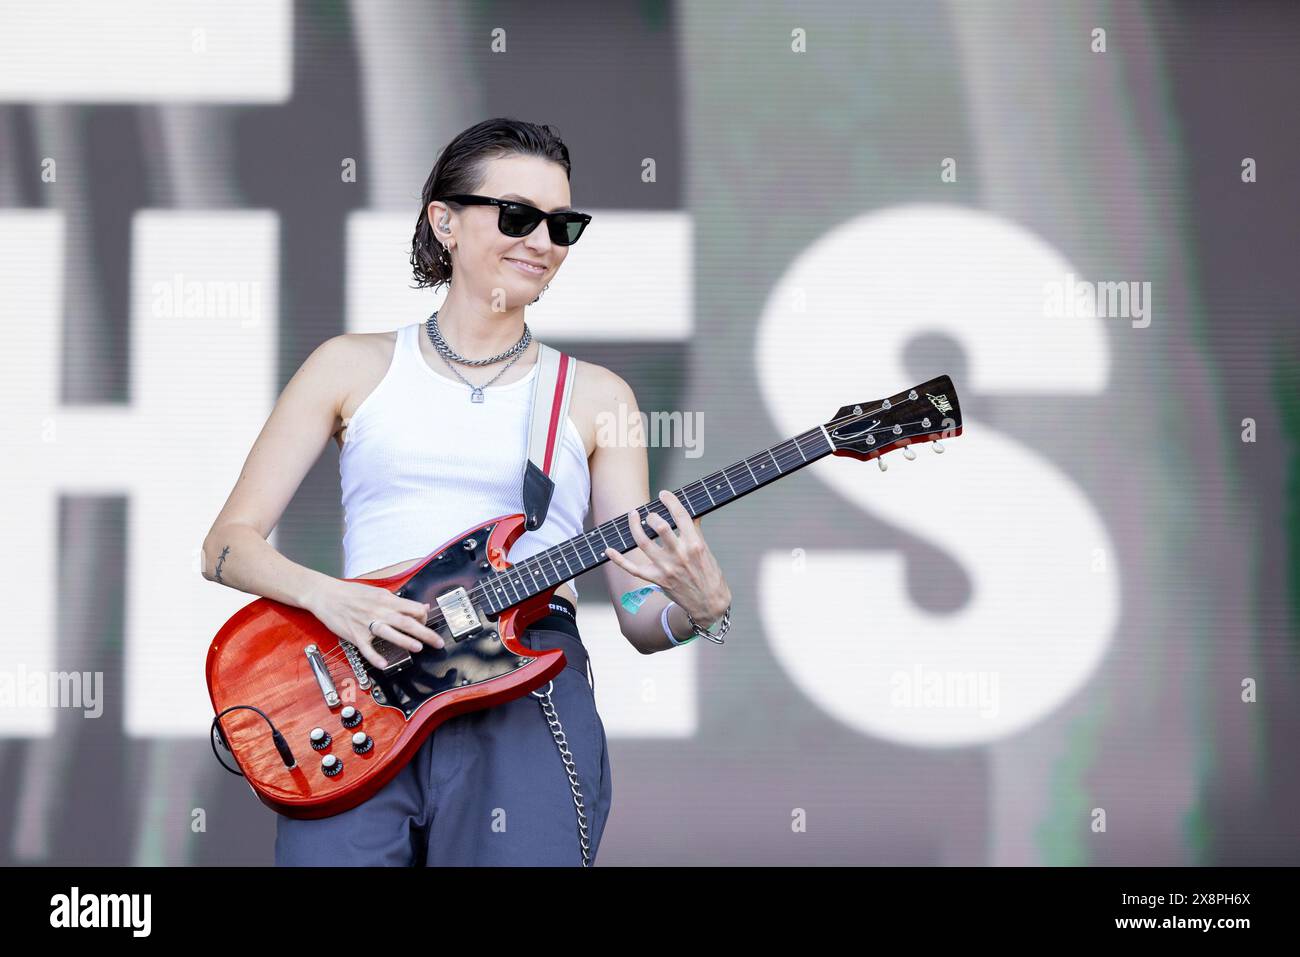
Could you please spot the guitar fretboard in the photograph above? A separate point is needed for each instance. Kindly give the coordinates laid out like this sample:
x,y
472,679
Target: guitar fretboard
x,y
580,554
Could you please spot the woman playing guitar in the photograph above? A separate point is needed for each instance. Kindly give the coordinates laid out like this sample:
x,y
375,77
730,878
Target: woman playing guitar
x,y
427,448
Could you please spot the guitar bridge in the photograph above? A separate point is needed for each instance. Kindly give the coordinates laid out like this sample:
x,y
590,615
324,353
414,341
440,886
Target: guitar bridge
x,y
459,612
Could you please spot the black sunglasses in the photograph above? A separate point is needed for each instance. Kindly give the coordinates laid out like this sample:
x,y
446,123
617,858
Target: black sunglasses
x,y
519,219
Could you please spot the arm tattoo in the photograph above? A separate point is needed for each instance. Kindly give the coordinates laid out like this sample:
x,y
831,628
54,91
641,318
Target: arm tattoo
x,y
217,576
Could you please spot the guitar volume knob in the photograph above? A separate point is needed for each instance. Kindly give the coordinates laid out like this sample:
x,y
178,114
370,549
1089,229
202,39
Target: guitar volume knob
x,y
320,739
331,765
362,742
350,716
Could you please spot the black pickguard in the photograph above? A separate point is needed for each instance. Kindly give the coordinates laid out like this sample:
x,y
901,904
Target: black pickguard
x,y
415,677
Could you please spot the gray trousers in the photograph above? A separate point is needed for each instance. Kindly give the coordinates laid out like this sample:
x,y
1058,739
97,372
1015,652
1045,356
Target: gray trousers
x,y
486,788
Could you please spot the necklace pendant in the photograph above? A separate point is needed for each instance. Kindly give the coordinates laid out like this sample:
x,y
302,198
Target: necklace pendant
x,y
476,395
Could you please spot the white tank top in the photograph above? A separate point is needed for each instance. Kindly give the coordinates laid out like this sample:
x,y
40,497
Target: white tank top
x,y
421,463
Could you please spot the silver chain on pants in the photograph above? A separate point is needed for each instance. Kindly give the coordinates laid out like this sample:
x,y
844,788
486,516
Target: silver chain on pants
x,y
557,732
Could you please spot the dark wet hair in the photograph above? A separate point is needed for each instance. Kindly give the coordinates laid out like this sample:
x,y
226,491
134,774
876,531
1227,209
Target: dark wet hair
x,y
460,168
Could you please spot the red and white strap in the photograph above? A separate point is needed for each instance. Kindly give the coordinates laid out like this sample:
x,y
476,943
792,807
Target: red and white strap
x,y
552,390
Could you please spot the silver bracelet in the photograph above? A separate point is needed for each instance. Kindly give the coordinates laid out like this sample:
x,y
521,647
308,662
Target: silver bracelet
x,y
724,624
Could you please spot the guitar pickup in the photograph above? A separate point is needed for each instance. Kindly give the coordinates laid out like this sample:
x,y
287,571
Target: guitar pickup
x,y
459,612
396,656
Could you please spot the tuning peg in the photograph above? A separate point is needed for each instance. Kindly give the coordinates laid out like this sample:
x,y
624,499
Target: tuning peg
x,y
881,462
938,447
908,453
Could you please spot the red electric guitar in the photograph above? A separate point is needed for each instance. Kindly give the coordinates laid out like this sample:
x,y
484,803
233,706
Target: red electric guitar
x,y
317,729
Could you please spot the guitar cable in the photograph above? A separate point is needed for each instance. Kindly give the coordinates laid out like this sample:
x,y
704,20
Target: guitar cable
x,y
281,744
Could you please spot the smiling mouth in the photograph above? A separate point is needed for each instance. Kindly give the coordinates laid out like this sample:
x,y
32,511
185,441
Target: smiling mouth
x,y
527,267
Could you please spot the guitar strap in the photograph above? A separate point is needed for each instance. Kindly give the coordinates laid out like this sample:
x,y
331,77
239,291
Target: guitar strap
x,y
550,406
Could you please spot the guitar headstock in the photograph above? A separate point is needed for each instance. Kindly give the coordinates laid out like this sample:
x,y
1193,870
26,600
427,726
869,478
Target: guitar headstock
x,y
927,413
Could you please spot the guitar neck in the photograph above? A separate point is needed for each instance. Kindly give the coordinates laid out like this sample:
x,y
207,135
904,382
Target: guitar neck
x,y
580,554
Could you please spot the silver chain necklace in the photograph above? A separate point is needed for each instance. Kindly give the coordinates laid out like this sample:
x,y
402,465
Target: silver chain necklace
x,y
450,355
